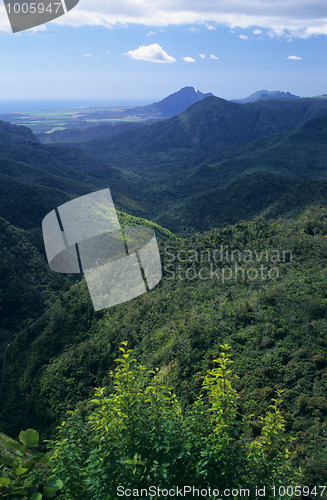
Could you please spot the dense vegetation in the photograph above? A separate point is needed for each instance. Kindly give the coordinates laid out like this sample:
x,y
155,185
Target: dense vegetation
x,y
276,327
22,473
138,438
258,285
205,166
212,164
26,282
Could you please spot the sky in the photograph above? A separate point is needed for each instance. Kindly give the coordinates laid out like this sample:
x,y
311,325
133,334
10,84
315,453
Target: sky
x,y
143,50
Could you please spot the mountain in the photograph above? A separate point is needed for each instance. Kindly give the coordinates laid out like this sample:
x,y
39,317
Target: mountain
x,y
159,171
212,124
205,128
277,174
174,104
267,94
170,106
216,142
36,178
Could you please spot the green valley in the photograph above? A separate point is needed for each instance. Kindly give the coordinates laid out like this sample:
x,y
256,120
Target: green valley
x,y
236,194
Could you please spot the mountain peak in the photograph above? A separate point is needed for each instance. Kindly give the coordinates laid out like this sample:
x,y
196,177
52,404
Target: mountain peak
x,y
189,91
267,94
175,103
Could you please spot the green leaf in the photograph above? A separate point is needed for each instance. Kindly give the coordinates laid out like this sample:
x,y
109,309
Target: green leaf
x,y
55,483
13,445
5,481
36,496
51,487
44,460
49,492
20,470
29,438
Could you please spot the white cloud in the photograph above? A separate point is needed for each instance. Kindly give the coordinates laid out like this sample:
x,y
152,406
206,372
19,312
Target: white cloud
x,y
301,18
37,29
215,58
4,22
257,32
188,59
90,56
193,29
152,53
243,37
151,33
210,27
294,58
203,56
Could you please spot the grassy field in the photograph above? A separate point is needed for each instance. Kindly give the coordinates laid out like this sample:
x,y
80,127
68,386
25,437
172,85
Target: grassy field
x,y
49,121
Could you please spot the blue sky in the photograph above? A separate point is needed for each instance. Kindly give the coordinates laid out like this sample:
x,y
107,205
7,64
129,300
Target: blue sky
x,y
140,50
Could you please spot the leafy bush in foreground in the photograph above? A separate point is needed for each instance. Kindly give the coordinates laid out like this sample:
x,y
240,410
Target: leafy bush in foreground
x,y
139,436
17,478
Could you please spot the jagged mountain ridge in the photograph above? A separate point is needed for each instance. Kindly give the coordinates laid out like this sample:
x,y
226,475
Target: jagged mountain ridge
x,y
266,94
174,104
208,126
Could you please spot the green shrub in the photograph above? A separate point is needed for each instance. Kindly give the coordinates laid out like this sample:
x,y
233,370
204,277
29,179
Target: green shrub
x,y
139,436
18,479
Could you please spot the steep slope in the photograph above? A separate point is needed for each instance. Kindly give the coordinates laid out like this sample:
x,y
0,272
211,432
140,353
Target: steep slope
x,y
205,128
35,178
272,311
250,196
26,281
280,174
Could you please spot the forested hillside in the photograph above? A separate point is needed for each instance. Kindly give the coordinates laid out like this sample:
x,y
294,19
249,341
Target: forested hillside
x,y
237,197
271,312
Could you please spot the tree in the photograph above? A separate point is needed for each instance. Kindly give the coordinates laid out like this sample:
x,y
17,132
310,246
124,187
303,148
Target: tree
x,y
138,436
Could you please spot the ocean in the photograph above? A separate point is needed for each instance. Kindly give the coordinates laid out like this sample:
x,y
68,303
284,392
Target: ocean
x,y
21,105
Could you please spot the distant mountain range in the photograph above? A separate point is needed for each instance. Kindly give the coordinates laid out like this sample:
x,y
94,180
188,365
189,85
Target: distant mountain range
x,y
207,127
267,94
163,170
168,107
200,157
